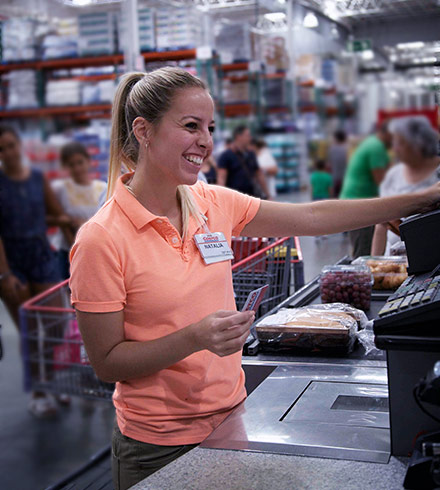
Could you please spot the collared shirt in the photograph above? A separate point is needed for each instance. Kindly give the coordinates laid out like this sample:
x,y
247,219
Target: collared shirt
x,y
128,258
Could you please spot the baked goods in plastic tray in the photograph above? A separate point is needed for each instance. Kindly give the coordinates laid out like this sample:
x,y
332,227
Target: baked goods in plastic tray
x,y
316,328
389,272
350,284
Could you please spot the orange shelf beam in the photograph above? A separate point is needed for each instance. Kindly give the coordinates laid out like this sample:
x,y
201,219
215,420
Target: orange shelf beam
x,y
56,111
111,59
232,110
234,67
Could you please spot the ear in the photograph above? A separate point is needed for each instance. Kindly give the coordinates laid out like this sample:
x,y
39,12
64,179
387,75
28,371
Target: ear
x,y
141,129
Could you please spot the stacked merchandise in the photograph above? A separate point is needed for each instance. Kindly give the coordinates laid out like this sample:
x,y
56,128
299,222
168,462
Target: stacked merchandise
x,y
233,42
146,29
63,92
96,33
177,28
19,41
235,91
21,89
63,42
100,92
286,149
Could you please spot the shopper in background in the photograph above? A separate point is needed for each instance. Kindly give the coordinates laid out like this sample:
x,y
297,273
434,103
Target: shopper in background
x,y
78,194
28,266
237,167
154,317
366,170
337,159
209,170
267,163
415,145
321,182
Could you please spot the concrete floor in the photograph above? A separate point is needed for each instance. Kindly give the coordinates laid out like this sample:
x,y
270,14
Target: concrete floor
x,y
37,453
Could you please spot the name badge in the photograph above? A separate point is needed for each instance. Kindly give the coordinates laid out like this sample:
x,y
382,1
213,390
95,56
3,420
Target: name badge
x,y
213,247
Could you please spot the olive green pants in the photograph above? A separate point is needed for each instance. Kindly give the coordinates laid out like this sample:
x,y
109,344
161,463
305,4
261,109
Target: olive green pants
x,y
360,241
132,460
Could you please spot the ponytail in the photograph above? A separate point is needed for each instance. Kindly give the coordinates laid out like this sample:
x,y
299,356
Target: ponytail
x,y
119,133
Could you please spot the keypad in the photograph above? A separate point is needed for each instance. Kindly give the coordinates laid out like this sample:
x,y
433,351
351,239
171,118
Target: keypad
x,y
412,293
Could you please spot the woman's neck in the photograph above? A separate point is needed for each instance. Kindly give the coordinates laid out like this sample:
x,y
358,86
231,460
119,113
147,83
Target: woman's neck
x,y
156,195
417,172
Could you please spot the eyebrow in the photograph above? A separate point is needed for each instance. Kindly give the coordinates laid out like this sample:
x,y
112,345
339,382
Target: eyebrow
x,y
196,118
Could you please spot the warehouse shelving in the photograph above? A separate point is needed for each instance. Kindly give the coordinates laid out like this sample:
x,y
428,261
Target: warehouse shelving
x,y
44,67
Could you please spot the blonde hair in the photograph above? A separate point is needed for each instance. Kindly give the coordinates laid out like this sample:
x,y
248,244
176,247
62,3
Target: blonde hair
x,y
150,96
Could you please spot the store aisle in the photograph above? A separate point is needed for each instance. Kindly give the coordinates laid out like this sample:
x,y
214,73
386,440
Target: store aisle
x,y
38,453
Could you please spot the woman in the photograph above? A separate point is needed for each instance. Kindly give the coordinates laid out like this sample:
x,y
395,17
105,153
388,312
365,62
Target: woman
x,y
415,146
28,266
267,163
78,195
154,317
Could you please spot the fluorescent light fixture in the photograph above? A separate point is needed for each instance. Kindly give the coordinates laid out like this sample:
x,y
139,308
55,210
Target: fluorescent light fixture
x,y
310,20
282,2
81,3
429,59
367,55
413,45
393,58
275,16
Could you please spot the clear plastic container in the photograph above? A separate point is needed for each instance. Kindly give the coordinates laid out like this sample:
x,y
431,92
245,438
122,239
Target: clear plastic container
x,y
389,272
350,284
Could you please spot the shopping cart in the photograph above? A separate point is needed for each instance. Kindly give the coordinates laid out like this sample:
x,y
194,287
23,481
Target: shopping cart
x,y
272,261
52,348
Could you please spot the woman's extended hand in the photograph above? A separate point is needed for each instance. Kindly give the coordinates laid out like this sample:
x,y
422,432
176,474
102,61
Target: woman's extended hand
x,y
223,332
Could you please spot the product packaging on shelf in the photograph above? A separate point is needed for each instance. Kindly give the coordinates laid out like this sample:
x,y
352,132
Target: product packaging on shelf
x,y
349,284
328,328
388,272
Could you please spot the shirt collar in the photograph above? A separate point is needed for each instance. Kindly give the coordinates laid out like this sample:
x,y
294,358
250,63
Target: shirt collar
x,y
138,214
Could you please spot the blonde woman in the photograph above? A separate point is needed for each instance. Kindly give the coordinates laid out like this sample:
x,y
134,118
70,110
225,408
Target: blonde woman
x,y
155,318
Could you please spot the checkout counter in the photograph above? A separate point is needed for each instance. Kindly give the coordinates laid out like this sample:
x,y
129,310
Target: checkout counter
x,y
350,418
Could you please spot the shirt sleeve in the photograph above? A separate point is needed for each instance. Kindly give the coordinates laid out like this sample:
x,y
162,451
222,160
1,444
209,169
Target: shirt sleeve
x,y
239,208
378,158
96,278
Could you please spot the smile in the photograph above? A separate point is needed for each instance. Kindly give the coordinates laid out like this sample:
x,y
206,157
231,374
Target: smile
x,y
196,160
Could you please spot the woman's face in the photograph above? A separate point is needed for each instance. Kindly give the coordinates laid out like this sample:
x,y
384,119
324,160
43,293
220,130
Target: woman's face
x,y
182,140
405,152
10,150
78,166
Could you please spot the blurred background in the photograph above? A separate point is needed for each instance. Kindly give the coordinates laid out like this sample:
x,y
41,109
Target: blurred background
x,y
303,83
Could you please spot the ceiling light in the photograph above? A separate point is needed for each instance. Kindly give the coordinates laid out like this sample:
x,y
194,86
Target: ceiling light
x,y
282,2
275,16
429,59
413,45
81,3
393,58
310,20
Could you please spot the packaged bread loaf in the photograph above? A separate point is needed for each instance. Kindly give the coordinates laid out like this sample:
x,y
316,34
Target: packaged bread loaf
x,y
330,327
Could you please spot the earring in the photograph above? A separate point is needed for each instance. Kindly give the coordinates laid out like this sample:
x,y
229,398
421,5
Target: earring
x,y
146,145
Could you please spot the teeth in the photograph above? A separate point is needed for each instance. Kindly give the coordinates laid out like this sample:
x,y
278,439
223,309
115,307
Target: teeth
x,y
193,159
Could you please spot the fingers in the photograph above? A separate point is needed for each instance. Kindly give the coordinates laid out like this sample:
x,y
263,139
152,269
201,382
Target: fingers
x,y
235,319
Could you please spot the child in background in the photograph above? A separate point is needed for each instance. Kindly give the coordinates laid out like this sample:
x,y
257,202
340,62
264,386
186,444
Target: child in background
x,y
78,194
321,182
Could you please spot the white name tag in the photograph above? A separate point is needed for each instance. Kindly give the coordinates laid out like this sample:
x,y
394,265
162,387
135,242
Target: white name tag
x,y
213,247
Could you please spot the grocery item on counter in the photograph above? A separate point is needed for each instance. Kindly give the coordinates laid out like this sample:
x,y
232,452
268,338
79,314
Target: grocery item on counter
x,y
316,328
388,272
349,284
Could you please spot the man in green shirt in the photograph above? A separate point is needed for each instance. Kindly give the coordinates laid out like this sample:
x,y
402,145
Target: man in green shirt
x,y
365,171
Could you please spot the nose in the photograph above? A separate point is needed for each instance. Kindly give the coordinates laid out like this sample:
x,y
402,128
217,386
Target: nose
x,y
205,140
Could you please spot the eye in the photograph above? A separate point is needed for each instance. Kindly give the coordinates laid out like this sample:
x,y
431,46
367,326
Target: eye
x,y
211,129
192,126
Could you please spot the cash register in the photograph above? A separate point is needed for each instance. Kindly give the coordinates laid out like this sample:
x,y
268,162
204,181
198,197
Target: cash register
x,y
415,306
408,328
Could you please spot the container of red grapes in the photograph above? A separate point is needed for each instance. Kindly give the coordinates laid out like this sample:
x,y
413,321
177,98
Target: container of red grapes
x,y
350,284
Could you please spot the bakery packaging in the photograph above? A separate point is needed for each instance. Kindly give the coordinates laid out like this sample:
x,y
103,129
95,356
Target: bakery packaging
x,y
388,272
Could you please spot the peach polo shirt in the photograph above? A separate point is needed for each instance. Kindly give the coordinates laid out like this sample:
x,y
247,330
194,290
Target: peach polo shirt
x,y
127,258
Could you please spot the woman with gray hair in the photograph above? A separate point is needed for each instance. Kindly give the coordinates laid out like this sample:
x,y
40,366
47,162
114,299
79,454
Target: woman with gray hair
x,y
415,144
